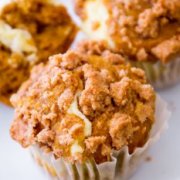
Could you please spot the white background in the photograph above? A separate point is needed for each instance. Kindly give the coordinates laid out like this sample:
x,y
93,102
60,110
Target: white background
x,y
16,163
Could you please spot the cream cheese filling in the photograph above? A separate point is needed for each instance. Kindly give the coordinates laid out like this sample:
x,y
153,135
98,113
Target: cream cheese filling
x,y
76,148
97,13
17,40
73,109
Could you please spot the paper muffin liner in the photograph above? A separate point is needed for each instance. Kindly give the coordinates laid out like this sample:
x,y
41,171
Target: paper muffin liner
x,y
121,166
161,75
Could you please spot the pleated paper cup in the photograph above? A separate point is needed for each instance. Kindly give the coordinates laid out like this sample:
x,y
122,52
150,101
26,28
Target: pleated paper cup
x,y
121,166
161,75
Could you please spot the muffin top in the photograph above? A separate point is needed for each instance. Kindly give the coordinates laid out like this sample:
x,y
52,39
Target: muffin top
x,y
141,29
30,31
84,104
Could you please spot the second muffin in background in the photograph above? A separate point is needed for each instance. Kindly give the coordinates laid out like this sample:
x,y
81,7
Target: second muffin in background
x,y
30,31
86,114
147,32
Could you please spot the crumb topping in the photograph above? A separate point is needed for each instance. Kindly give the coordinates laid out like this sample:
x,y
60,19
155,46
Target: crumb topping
x,y
84,103
30,31
140,29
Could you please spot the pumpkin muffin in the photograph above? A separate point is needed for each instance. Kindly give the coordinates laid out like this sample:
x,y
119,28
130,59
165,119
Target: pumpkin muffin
x,y
147,32
82,107
30,31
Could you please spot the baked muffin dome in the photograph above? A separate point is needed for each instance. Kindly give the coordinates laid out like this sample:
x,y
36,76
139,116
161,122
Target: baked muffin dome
x,y
84,103
142,29
30,31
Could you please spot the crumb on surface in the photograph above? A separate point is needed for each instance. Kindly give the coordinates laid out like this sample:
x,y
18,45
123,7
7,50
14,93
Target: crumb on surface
x,y
148,159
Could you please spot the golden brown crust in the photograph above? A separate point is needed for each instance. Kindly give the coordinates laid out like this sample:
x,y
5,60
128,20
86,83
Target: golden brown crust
x,y
112,96
52,31
137,27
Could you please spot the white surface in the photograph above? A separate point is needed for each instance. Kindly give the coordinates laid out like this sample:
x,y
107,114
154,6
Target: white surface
x,y
16,163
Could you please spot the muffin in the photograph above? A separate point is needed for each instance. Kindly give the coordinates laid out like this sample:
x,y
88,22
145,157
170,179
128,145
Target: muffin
x,y
147,32
30,31
86,114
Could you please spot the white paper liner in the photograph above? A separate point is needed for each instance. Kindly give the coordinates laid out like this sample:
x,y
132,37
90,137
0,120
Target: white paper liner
x,y
161,75
122,165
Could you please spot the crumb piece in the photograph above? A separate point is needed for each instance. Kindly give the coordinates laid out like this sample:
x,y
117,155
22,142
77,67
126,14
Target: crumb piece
x,y
148,159
119,91
120,130
92,143
167,49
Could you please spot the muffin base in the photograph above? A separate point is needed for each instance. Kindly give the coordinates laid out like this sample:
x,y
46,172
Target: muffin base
x,y
121,166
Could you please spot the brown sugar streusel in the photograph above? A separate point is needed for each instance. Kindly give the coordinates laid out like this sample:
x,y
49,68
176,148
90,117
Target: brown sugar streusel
x,y
84,104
